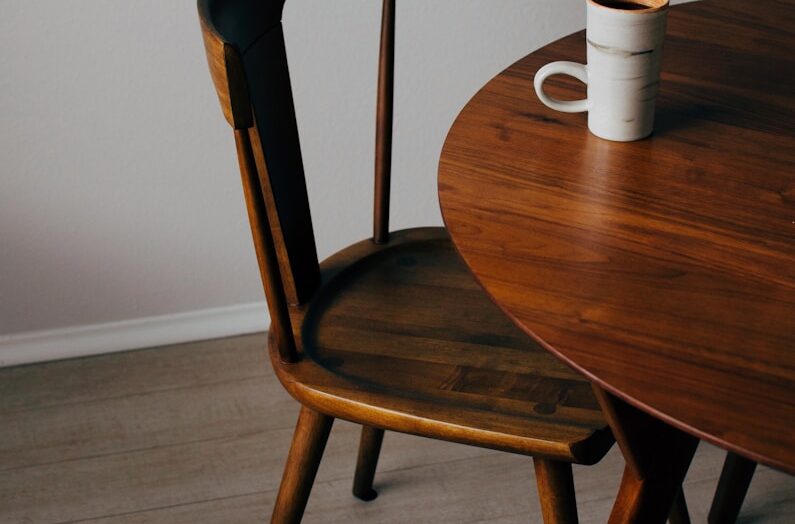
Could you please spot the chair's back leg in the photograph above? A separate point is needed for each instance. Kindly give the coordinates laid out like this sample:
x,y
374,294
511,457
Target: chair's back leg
x,y
369,449
383,127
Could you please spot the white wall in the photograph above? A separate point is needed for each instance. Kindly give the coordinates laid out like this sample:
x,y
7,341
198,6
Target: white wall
x,y
119,192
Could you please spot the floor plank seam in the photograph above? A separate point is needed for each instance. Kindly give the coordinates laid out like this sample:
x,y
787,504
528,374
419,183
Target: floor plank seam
x,y
159,508
264,376
149,448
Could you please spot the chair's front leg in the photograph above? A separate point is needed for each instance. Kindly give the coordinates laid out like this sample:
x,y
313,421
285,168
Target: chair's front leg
x,y
309,441
556,491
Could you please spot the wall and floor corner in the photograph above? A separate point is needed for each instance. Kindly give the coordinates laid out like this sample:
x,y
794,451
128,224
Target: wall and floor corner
x,y
121,217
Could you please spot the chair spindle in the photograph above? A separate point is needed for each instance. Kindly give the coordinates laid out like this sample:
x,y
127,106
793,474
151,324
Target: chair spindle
x,y
263,245
383,130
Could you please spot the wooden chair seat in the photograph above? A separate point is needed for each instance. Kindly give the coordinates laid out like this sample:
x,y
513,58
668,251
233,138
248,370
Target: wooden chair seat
x,y
401,333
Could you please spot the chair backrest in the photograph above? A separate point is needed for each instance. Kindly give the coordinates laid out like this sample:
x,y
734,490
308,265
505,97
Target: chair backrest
x,y
248,64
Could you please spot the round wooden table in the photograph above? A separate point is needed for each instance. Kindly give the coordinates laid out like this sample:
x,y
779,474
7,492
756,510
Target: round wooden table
x,y
662,269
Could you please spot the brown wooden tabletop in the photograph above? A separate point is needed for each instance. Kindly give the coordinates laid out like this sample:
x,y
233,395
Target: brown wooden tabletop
x,y
662,269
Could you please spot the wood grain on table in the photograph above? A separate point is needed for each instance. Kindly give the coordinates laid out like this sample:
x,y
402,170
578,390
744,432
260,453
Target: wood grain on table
x,y
663,269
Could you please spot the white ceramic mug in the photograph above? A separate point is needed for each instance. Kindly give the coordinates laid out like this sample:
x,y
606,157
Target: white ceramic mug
x,y
625,40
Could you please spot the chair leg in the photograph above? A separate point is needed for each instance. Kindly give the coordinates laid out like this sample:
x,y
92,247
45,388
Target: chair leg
x,y
679,513
369,449
732,487
309,441
556,491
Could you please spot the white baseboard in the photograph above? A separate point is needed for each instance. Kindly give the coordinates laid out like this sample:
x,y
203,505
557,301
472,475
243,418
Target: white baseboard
x,y
55,344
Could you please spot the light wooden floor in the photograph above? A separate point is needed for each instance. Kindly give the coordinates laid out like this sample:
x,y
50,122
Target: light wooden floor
x,y
198,433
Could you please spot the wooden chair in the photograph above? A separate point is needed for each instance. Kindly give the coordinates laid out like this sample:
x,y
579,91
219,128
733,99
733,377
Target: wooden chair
x,y
392,332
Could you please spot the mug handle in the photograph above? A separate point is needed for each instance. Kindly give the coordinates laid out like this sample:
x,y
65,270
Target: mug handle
x,y
578,71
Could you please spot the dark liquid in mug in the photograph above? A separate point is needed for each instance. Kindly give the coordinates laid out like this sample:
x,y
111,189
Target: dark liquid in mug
x,y
618,4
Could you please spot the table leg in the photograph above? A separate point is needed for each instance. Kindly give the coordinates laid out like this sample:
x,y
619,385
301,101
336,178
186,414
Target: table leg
x,y
732,487
679,513
657,458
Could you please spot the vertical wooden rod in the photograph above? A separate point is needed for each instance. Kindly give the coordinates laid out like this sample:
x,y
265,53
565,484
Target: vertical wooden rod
x,y
263,245
383,128
556,491
732,488
369,449
306,451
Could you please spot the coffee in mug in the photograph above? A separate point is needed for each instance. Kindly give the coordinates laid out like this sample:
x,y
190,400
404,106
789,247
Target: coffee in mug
x,y
625,39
